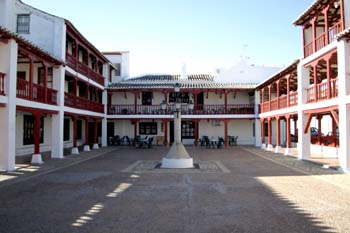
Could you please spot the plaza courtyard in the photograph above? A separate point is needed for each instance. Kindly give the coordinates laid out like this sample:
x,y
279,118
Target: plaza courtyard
x,y
237,189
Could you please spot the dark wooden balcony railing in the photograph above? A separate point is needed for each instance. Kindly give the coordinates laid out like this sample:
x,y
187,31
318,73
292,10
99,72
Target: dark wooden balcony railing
x,y
2,84
73,101
84,69
279,103
197,110
36,92
322,91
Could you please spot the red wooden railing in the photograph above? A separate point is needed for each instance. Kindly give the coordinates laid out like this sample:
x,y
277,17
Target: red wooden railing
x,y
308,49
322,91
280,102
73,101
84,69
2,84
293,99
37,93
320,41
334,30
130,109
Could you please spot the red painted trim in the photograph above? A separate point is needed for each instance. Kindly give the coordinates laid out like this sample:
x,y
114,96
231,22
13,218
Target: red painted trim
x,y
306,128
320,110
35,110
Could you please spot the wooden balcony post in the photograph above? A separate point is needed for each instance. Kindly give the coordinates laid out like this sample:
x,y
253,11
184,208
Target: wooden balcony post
x,y
329,89
36,133
87,135
269,122
165,125
278,131
31,76
225,99
226,132
135,102
45,82
288,89
326,25
315,83
196,122
74,118
278,93
270,98
262,131
313,22
319,132
288,131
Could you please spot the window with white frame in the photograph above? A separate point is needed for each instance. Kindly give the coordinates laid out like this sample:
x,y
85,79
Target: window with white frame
x,y
23,23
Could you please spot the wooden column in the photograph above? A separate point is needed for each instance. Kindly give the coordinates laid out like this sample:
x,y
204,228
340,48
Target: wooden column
x,y
87,135
165,124
45,82
96,132
75,88
288,131
135,102
225,98
262,131
326,25
269,121
278,93
315,83
313,22
196,132
226,132
74,118
36,132
31,77
329,89
334,132
195,100
269,98
319,132
278,131
288,89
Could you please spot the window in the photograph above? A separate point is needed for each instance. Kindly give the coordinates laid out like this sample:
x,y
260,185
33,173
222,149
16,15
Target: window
x,y
148,128
23,23
117,72
41,77
187,129
28,130
66,129
183,96
147,98
266,127
79,129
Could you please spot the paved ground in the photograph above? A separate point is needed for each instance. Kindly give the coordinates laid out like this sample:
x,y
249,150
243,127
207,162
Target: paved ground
x,y
261,193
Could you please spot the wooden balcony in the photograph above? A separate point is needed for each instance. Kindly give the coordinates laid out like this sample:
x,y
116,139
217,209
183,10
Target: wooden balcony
x,y
170,108
323,91
308,49
333,31
36,92
84,69
2,84
73,101
279,103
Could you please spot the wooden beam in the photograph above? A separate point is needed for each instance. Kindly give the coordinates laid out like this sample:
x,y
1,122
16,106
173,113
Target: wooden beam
x,y
306,128
335,117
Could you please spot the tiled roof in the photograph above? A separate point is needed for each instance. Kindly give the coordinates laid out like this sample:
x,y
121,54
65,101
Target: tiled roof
x,y
311,11
195,81
6,34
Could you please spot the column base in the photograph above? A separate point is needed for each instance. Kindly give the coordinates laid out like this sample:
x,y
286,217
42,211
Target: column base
x,y
263,146
75,151
95,147
288,151
177,163
36,159
278,149
86,148
269,147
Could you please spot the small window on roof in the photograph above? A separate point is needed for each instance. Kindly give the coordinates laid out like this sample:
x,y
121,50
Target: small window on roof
x,y
23,23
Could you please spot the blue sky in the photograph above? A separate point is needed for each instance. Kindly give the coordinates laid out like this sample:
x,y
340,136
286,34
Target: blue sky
x,y
205,34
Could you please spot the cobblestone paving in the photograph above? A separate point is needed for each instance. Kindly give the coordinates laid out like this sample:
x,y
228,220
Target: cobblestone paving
x,y
259,194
